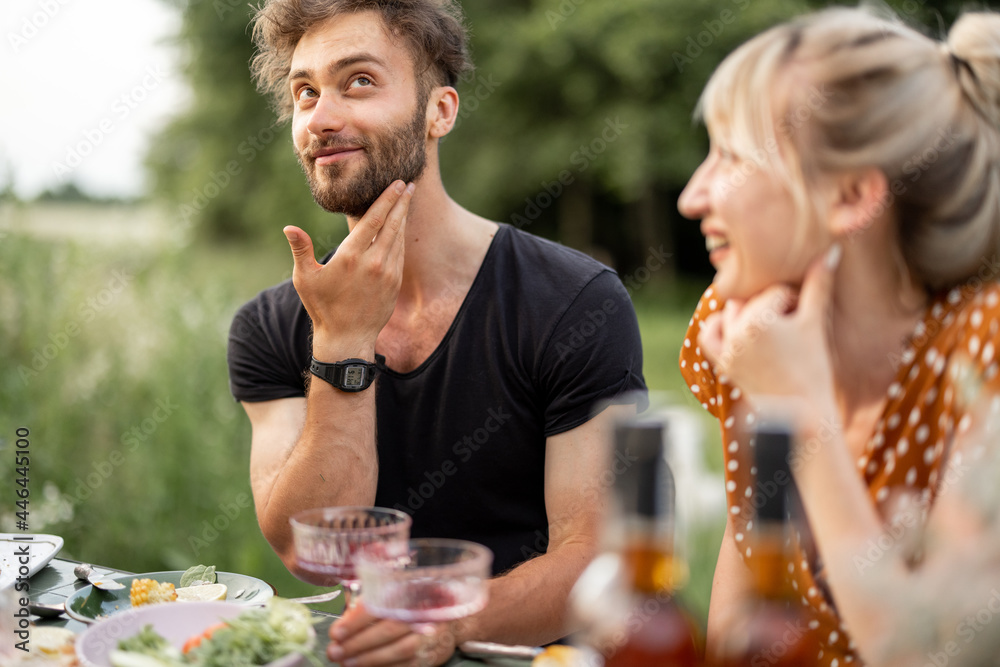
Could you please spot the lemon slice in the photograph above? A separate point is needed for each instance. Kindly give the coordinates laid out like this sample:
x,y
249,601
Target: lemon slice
x,y
205,593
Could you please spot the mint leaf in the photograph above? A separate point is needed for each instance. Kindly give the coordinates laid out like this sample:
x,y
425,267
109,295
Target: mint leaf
x,y
205,573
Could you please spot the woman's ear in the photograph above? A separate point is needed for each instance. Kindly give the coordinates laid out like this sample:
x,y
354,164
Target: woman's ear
x,y
861,199
442,111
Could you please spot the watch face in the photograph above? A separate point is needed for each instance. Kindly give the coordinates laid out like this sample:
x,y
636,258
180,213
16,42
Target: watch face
x,y
354,376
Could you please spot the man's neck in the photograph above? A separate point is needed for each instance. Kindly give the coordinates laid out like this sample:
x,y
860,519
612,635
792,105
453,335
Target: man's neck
x,y
445,243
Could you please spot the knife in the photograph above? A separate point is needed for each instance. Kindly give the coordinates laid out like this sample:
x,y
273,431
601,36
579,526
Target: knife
x,y
475,649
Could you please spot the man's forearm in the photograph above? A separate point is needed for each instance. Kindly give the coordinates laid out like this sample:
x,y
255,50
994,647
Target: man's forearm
x,y
529,605
333,463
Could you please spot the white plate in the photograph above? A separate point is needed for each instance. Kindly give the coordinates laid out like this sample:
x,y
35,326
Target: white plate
x,y
175,622
42,548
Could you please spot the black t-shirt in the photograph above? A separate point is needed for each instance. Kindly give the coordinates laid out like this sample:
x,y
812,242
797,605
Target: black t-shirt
x,y
543,334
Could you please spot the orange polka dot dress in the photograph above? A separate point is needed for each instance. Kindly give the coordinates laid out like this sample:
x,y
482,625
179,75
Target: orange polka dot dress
x,y
954,344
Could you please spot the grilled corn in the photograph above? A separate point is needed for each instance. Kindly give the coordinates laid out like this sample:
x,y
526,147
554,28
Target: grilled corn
x,y
150,591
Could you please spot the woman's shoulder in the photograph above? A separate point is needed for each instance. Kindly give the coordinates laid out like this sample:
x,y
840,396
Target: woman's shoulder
x,y
961,331
967,311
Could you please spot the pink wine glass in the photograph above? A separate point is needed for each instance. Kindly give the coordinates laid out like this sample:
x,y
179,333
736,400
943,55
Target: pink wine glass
x,y
429,581
327,540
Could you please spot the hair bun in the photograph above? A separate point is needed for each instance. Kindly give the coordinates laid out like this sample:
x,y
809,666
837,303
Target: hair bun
x,y
974,46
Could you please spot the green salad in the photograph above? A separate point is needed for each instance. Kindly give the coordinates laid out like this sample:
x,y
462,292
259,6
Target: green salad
x,y
255,637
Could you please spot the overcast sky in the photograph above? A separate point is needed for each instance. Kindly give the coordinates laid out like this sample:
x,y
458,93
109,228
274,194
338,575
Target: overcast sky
x,y
84,84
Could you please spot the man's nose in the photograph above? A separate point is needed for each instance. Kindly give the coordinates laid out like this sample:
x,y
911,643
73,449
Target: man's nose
x,y
329,115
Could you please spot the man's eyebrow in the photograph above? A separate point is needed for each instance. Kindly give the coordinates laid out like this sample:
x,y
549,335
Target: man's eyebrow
x,y
344,62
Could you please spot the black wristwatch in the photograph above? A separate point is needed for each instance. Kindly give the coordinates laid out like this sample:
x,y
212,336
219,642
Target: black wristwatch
x,y
350,375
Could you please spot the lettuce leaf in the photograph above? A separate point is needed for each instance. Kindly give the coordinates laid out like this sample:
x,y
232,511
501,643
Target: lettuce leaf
x,y
204,573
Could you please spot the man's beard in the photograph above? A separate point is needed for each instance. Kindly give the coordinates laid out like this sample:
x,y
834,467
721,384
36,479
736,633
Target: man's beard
x,y
397,154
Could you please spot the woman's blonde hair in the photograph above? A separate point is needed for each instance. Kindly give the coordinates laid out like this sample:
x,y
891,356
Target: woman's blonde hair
x,y
851,89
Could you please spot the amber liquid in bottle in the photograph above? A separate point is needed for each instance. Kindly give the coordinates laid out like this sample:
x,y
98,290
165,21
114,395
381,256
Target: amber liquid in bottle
x,y
773,628
657,631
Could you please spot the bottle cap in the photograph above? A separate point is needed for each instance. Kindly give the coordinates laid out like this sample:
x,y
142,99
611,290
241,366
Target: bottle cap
x,y
775,484
645,487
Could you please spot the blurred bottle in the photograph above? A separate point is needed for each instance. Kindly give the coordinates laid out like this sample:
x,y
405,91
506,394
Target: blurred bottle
x,y
656,630
773,628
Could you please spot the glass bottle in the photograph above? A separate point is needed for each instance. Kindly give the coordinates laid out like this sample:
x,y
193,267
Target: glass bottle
x,y
656,630
773,627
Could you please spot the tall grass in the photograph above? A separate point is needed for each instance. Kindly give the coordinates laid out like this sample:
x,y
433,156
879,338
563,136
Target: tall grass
x,y
114,359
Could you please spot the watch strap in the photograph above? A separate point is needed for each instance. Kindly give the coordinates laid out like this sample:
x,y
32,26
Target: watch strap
x,y
350,375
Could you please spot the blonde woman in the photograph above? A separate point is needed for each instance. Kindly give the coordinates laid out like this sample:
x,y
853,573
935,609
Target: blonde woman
x,y
851,207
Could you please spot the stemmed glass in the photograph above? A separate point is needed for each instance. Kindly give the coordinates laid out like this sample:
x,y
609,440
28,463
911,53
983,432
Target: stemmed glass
x,y
328,539
428,581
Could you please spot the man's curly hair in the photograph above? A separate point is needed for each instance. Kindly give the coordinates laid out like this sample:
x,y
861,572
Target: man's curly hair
x,y
433,31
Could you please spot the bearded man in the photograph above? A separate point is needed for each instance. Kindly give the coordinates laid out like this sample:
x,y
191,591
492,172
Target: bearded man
x,y
491,347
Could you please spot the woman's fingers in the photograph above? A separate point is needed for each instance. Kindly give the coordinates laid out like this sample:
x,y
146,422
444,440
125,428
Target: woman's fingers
x,y
817,287
711,339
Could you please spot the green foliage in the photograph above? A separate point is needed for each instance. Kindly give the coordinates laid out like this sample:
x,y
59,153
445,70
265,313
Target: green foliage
x,y
566,68
115,360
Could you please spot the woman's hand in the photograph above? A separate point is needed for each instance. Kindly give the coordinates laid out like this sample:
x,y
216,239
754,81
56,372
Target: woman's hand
x,y
775,344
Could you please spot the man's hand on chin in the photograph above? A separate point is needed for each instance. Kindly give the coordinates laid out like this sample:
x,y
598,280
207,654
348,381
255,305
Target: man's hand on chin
x,y
353,295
